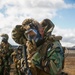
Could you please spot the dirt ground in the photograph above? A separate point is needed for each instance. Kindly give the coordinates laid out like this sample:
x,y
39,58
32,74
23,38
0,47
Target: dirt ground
x,y
69,65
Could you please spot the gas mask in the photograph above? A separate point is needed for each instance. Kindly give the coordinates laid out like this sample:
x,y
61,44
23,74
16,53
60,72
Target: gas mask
x,y
33,34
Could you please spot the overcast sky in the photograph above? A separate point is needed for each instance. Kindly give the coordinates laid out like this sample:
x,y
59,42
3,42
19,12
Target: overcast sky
x,y
61,12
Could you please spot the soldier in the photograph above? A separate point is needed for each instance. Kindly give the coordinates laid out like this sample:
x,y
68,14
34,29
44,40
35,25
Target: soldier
x,y
44,59
5,54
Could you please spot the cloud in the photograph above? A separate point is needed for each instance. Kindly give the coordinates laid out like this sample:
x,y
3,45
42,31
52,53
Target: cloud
x,y
68,37
14,12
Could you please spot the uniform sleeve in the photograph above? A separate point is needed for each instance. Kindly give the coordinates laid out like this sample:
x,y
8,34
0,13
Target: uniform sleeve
x,y
18,35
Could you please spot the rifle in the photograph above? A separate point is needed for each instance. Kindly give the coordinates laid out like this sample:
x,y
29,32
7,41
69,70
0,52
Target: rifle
x,y
27,69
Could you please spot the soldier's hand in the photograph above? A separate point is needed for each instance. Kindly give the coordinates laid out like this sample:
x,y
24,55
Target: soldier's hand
x,y
31,46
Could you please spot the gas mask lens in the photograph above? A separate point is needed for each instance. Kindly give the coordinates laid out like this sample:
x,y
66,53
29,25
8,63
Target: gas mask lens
x,y
31,34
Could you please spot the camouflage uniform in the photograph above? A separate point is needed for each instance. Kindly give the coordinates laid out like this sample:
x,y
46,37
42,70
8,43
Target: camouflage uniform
x,y
5,55
49,57
45,57
16,63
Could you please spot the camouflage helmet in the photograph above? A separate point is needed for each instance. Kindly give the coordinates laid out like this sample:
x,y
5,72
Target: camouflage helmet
x,y
32,23
27,21
5,36
46,22
48,25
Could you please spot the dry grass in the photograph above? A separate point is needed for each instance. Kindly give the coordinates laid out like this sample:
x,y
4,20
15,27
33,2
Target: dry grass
x,y
69,65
